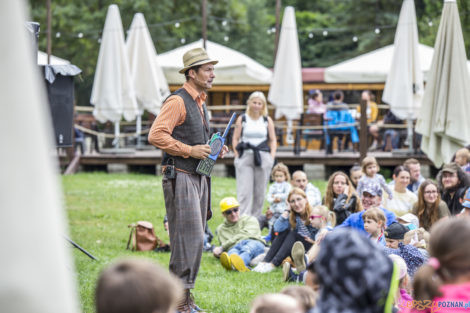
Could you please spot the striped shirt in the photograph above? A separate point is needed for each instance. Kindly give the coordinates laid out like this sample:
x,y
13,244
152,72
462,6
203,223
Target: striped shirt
x,y
172,114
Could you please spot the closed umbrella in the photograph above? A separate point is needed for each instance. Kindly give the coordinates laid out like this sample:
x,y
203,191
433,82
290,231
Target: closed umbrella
x,y
149,82
113,93
36,265
444,116
285,92
404,87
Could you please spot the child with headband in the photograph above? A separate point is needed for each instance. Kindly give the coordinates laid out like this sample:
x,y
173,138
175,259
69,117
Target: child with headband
x,y
445,279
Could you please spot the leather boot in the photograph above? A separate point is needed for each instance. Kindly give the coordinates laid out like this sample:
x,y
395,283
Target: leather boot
x,y
185,303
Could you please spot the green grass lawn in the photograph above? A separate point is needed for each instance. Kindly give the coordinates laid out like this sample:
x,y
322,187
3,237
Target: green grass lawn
x,y
99,208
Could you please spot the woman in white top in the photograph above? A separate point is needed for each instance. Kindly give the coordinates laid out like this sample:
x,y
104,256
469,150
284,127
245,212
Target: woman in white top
x,y
254,142
403,199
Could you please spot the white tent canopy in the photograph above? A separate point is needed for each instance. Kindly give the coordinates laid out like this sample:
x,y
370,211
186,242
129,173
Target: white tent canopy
x,y
373,67
234,67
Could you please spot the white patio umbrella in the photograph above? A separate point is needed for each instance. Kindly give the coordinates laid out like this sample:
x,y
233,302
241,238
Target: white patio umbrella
x,y
404,87
36,271
444,116
113,92
285,92
150,85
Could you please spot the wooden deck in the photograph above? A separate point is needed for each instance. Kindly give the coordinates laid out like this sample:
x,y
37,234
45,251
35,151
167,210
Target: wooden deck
x,y
153,157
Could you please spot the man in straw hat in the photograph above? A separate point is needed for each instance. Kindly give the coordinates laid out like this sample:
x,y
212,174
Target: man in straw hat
x,y
181,131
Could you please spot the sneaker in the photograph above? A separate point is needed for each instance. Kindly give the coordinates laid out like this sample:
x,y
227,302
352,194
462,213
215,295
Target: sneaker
x,y
298,255
269,267
260,267
225,261
257,260
238,263
288,274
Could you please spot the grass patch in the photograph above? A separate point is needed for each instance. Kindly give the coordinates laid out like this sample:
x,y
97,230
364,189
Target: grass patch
x,y
99,208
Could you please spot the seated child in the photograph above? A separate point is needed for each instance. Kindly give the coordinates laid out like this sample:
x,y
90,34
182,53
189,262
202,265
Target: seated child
x,y
355,276
462,158
445,279
278,192
322,219
374,224
370,168
394,236
137,285
403,296
409,220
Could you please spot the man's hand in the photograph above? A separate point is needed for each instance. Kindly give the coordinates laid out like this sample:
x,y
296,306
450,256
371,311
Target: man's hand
x,y
223,152
217,251
200,151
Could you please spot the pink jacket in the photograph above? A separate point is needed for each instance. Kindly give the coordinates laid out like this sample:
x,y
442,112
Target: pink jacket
x,y
454,299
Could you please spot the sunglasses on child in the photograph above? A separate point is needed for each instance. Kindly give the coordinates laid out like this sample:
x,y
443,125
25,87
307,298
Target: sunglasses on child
x,y
312,217
228,212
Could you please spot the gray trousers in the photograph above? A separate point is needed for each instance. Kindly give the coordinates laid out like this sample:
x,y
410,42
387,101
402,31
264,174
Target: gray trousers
x,y
186,202
252,182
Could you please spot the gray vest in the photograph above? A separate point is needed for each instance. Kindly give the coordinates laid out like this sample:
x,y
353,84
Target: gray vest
x,y
192,132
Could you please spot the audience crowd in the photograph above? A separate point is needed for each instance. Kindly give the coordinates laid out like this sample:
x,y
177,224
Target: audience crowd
x,y
366,246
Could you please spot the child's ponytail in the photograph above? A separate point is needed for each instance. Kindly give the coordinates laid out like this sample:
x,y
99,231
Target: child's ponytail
x,y
450,250
426,282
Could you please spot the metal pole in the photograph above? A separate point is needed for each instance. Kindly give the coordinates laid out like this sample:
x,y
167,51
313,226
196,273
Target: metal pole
x,y
204,23
80,248
138,129
278,29
49,30
363,131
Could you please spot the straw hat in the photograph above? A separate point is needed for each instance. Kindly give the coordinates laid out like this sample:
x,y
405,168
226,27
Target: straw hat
x,y
195,57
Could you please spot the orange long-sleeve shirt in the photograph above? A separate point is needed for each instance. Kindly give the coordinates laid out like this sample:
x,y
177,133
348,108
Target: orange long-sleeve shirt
x,y
172,114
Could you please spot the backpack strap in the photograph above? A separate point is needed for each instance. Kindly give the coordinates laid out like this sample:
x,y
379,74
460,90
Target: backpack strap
x,y
243,124
265,118
131,237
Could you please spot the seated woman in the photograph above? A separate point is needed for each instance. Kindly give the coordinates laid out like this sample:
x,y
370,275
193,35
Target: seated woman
x,y
403,199
429,208
341,197
291,227
315,102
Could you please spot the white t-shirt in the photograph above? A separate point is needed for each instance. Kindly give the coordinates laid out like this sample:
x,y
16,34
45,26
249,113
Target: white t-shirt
x,y
401,203
254,131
